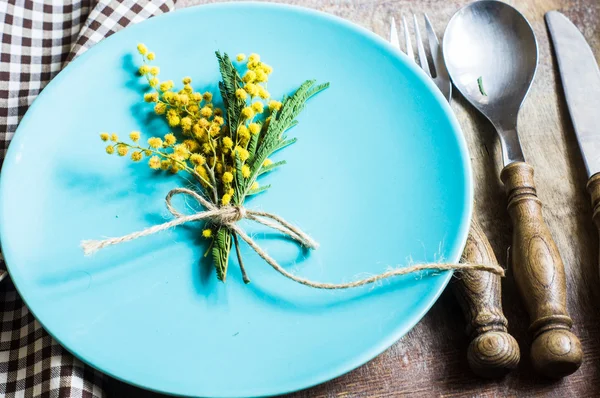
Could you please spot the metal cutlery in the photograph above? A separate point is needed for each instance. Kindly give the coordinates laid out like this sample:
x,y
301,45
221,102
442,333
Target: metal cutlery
x,y
491,54
581,83
492,351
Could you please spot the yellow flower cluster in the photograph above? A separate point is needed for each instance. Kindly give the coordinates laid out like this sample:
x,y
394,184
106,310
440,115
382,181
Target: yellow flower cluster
x,y
254,93
208,147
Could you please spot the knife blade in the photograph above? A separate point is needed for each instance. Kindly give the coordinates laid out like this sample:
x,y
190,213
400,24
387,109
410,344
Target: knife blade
x,y
581,83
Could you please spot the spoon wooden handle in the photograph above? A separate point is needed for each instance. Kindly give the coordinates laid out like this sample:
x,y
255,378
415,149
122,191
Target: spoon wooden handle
x,y
492,352
540,277
593,187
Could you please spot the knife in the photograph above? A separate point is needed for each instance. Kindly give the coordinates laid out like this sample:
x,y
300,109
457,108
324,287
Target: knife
x,y
581,83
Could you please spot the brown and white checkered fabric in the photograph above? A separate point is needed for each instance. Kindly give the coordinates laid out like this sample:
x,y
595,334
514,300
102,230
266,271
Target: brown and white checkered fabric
x,y
32,364
38,38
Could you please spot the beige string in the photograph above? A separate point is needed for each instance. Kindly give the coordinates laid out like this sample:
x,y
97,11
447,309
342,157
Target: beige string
x,y
229,216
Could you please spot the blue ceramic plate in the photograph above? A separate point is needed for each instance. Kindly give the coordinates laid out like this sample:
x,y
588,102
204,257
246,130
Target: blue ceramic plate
x,y
379,176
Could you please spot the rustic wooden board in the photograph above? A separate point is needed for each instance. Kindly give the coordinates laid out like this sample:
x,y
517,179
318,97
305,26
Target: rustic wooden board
x,y
431,359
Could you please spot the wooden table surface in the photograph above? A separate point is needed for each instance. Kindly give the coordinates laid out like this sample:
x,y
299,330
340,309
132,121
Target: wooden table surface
x,y
431,359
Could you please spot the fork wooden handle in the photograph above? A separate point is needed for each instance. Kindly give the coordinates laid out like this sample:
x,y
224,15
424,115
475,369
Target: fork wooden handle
x,y
492,351
540,276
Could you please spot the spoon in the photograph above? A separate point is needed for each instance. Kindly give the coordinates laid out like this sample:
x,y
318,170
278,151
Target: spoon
x,y
491,54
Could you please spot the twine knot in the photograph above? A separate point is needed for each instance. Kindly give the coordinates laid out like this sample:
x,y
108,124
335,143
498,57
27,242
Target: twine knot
x,y
229,216
225,216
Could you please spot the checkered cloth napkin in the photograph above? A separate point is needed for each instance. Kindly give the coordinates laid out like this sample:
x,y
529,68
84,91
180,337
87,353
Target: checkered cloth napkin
x,y
38,38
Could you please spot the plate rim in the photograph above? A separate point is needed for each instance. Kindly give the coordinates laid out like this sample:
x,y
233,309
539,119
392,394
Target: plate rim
x,y
384,344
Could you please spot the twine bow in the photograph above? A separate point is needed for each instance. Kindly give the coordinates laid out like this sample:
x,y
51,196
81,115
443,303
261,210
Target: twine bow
x,y
229,216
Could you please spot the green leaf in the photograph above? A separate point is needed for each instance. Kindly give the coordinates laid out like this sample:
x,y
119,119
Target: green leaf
x,y
266,169
240,184
230,82
285,143
252,145
292,124
220,251
480,84
281,120
258,190
316,90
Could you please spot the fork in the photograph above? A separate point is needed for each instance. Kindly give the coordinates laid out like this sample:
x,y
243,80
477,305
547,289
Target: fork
x,y
492,351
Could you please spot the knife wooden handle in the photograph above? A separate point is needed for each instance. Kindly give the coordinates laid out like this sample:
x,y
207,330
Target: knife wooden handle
x,y
492,352
540,276
593,187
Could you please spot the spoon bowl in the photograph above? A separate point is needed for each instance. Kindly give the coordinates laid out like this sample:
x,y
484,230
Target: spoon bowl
x,y
491,54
